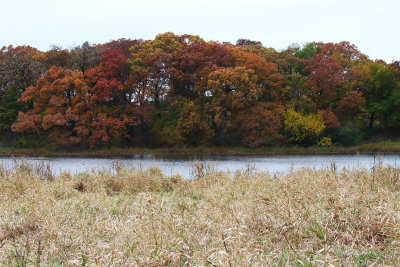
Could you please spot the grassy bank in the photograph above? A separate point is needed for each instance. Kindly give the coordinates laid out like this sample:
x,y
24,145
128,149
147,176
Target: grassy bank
x,y
135,217
382,147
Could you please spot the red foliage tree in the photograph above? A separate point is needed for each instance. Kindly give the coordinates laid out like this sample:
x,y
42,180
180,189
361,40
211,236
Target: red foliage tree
x,y
260,125
353,104
326,79
110,98
192,63
345,53
330,119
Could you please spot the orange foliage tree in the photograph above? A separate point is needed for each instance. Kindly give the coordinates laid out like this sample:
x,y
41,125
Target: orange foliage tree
x,y
59,104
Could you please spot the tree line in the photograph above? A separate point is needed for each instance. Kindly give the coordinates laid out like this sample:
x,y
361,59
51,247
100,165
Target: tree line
x,y
179,90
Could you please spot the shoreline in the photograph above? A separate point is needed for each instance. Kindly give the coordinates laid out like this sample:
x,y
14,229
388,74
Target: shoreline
x,y
373,148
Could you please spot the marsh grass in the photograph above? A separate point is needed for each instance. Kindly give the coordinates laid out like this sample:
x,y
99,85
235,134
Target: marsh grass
x,y
200,169
135,217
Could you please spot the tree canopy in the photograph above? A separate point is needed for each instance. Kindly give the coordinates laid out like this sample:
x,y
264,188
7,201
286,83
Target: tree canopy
x,y
180,90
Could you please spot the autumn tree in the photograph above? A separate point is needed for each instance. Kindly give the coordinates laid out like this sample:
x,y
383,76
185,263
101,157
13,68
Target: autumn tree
x,y
150,64
165,122
110,99
328,69
192,63
179,90
59,57
326,79
293,89
232,90
122,45
352,105
379,83
20,67
345,53
396,65
304,129
266,73
331,121
85,56
192,127
59,105
261,125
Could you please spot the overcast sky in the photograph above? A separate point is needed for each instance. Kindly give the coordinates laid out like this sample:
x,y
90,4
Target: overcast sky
x,y
370,24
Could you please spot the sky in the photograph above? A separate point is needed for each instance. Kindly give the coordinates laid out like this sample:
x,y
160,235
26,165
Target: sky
x,y
370,24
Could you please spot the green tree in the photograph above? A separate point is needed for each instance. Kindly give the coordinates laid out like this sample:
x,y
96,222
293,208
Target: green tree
x,y
379,84
9,107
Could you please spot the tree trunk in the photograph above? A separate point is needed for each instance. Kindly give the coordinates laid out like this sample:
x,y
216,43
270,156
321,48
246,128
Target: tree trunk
x,y
371,120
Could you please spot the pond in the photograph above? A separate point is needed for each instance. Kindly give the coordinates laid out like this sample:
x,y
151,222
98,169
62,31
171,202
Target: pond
x,y
186,165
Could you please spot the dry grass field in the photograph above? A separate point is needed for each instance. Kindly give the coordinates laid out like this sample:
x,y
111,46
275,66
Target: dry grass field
x,y
131,217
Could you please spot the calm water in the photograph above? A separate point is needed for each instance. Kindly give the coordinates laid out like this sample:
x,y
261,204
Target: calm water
x,y
184,165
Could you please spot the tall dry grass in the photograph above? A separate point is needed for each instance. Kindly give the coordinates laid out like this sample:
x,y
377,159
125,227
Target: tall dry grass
x,y
132,217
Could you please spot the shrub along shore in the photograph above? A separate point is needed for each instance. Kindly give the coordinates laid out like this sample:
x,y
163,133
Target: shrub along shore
x,y
135,217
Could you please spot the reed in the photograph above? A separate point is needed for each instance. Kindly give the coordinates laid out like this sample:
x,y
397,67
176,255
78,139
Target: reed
x,y
129,217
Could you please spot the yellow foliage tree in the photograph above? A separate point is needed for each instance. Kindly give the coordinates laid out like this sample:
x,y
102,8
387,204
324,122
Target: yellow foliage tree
x,y
303,128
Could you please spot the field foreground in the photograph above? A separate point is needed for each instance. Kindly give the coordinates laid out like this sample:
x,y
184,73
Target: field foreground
x,y
132,217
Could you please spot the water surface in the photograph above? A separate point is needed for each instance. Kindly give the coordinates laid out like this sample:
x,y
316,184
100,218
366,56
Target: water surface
x,y
185,165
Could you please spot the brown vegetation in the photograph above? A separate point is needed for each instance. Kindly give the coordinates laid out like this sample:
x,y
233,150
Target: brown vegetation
x,y
136,217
